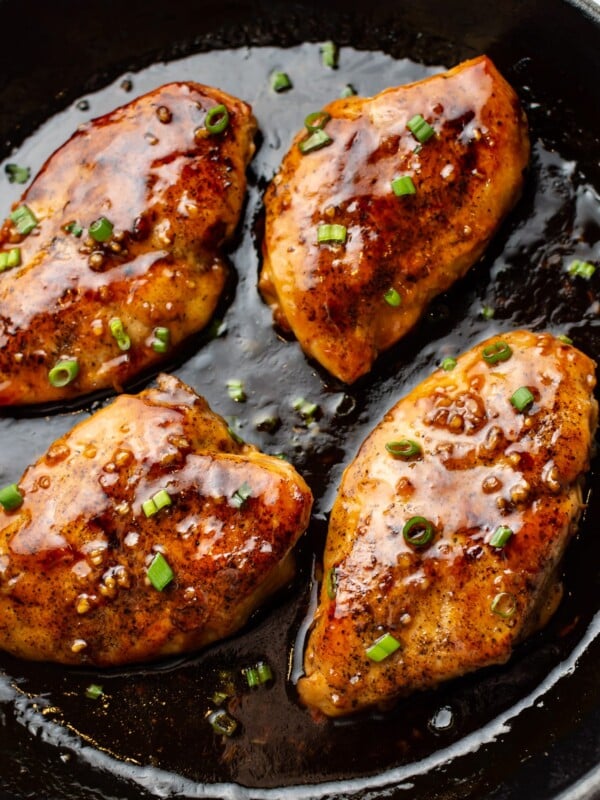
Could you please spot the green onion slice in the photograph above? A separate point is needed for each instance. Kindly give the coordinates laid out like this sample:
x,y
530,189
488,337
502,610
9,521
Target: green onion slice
x,y
161,339
404,448
221,722
403,185
10,258
257,675
522,398
498,351
348,91
17,174
153,505
74,228
119,333
10,497
94,691
504,605
241,495
501,536
331,583
306,408
235,390
418,532
101,229
217,119
329,54
64,372
562,337
24,219
315,141
487,312
383,647
280,82
392,297
448,364
420,129
316,121
582,268
328,233
159,572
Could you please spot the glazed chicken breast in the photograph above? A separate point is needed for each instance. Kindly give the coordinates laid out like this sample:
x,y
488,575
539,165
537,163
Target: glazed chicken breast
x,y
147,530
112,256
387,205
449,526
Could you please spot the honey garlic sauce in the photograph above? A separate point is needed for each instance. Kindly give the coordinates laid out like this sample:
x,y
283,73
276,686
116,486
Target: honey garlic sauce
x,y
74,557
172,193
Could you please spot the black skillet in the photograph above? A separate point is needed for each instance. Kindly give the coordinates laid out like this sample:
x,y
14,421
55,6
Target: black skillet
x,y
529,729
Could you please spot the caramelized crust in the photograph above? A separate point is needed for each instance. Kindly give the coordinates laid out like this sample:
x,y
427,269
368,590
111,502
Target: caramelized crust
x,y
174,195
482,465
467,177
74,557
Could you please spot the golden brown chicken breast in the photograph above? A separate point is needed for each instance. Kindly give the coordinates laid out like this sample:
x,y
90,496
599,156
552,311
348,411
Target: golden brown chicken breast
x,y
387,203
111,257
446,534
147,530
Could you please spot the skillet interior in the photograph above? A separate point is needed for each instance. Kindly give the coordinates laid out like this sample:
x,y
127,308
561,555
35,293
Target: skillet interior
x,y
548,731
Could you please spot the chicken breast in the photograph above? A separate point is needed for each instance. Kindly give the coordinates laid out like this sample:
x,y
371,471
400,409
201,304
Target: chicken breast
x,y
147,530
413,213
449,525
165,193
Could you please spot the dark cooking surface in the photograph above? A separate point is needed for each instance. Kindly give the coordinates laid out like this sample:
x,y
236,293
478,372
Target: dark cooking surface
x,y
533,724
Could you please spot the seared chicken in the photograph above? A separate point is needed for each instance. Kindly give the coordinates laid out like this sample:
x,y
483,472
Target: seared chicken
x,y
152,488
411,216
167,193
449,526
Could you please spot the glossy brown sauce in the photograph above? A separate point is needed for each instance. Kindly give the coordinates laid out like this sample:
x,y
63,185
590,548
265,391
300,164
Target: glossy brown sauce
x,y
149,726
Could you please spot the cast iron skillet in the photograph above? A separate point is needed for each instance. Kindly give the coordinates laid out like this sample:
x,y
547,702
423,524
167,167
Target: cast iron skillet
x,y
528,729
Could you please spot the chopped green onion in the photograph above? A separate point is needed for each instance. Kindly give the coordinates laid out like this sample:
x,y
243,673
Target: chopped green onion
x,y
316,121
267,423
404,448
448,364
420,129
562,337
153,505
403,185
259,674
217,119
487,312
219,698
392,297
10,258
329,54
74,228
331,233
240,495
280,82
348,91
10,497
119,333
582,268
498,351
331,583
418,531
101,229
522,398
159,572
500,536
24,219
17,174
235,390
64,372
221,722
383,647
306,408
315,141
161,340
504,605
93,691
